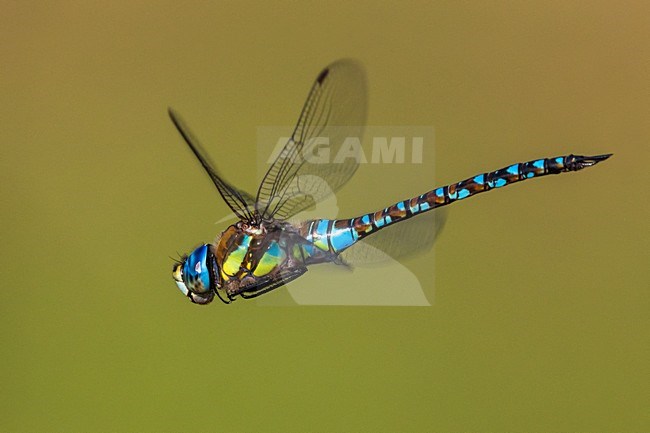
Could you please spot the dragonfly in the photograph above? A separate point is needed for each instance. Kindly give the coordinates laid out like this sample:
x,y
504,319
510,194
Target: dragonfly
x,y
263,250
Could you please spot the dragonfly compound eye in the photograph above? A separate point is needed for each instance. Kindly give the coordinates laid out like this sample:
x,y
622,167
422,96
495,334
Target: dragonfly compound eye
x,y
193,276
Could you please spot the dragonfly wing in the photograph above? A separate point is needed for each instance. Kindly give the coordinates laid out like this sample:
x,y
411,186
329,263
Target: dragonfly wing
x,y
241,203
305,172
410,237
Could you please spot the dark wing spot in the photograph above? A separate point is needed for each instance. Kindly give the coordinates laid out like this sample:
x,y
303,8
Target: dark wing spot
x,y
322,75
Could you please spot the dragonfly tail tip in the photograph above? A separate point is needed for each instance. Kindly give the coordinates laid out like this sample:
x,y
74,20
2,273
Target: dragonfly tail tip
x,y
581,162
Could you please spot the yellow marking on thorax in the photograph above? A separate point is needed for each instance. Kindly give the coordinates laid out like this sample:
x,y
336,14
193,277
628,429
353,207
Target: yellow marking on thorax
x,y
273,257
232,263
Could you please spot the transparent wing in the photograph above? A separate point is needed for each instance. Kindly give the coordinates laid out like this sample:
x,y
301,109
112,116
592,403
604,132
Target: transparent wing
x,y
241,203
322,153
413,236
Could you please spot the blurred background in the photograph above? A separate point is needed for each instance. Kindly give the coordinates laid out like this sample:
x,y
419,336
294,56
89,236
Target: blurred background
x,y
540,315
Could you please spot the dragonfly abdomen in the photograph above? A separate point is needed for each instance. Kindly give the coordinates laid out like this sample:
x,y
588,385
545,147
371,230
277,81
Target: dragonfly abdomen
x,y
337,235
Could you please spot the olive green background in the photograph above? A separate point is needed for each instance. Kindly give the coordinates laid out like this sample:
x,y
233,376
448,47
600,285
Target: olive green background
x,y
540,316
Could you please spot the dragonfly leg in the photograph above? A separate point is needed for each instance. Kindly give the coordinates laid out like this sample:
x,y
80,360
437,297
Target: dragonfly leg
x,y
278,280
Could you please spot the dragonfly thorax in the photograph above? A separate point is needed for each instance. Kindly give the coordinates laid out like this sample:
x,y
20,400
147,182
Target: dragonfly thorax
x,y
248,253
243,260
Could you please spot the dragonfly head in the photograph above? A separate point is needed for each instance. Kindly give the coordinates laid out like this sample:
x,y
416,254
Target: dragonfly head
x,y
197,275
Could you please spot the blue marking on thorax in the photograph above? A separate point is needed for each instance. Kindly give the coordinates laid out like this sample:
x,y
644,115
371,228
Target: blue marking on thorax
x,y
274,250
309,249
246,241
